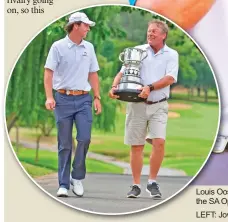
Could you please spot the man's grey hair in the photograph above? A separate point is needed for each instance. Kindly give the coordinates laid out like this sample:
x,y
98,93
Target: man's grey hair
x,y
162,25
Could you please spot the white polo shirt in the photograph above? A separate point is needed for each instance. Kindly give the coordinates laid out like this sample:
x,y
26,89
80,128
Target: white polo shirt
x,y
71,64
156,66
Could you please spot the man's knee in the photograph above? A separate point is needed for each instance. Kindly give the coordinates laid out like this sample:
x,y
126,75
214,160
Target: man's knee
x,y
84,139
158,144
136,150
65,145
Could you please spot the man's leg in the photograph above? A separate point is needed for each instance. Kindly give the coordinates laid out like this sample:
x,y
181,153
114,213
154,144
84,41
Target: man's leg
x,y
158,116
135,133
64,151
156,157
83,121
64,120
136,161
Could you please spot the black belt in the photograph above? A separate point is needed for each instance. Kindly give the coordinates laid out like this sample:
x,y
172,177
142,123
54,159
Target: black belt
x,y
150,102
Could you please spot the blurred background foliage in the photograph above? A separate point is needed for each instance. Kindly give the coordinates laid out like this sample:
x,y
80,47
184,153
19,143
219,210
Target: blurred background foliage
x,y
117,27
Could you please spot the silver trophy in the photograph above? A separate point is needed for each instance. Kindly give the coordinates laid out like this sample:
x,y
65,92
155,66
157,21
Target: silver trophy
x,y
128,88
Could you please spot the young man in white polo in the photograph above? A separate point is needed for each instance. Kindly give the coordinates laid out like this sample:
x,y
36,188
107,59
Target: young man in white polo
x,y
71,70
146,121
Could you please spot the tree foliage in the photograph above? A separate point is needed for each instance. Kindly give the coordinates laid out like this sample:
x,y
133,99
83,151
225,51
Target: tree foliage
x,y
117,27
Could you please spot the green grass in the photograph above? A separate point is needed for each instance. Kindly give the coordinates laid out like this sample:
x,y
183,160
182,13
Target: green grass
x,y
189,138
180,153
48,163
183,95
190,164
199,122
36,171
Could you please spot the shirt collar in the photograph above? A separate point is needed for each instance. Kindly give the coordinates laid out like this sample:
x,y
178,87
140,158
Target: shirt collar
x,y
161,51
70,43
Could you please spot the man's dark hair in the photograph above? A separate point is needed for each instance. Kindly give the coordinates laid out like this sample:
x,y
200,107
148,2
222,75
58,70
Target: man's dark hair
x,y
69,28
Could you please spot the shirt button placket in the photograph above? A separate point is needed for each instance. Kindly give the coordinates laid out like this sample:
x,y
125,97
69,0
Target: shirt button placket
x,y
75,53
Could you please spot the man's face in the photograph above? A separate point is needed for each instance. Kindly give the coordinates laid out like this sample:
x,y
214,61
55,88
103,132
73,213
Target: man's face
x,y
155,35
82,29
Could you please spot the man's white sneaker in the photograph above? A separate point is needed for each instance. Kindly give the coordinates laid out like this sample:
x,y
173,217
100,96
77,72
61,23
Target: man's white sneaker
x,y
62,192
77,187
220,144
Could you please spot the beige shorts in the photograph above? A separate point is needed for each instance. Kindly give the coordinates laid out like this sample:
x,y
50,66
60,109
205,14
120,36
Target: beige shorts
x,y
145,122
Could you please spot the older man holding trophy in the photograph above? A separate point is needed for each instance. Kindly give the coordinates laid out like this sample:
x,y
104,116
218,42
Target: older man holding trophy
x,y
144,82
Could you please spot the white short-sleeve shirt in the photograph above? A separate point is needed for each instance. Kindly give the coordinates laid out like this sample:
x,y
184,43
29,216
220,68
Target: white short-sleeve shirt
x,y
156,66
71,64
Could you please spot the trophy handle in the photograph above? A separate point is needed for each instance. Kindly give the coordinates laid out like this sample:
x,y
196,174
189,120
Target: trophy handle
x,y
145,54
121,56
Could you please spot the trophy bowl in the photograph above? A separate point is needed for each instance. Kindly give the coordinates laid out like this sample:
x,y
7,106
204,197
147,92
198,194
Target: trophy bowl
x,y
128,89
131,82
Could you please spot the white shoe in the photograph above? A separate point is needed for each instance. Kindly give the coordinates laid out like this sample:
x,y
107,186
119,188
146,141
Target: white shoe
x,y
220,144
77,187
62,192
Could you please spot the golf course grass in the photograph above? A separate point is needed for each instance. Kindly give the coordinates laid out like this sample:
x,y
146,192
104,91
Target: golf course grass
x,y
189,140
48,163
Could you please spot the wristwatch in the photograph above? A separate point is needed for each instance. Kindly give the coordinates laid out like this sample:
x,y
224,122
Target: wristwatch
x,y
151,87
97,97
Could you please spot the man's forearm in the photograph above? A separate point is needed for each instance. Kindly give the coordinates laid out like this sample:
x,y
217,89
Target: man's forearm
x,y
94,82
162,83
48,76
117,79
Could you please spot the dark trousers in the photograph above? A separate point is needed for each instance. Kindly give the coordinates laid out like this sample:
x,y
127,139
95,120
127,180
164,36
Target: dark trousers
x,y
70,110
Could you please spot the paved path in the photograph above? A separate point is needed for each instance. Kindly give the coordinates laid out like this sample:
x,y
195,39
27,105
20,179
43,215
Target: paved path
x,y
111,160
106,193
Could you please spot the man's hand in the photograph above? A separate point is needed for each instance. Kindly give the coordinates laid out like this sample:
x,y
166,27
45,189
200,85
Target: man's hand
x,y
97,106
185,13
145,92
50,104
111,93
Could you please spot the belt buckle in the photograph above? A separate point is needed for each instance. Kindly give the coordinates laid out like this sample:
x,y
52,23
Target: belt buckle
x,y
68,92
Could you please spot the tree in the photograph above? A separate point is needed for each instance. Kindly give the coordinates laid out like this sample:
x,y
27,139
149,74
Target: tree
x,y
117,28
